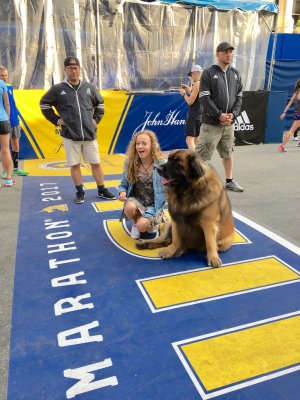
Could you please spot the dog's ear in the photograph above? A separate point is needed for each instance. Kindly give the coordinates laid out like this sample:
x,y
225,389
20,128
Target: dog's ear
x,y
195,170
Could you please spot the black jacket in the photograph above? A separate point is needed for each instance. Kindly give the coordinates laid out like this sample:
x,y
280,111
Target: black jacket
x,y
77,108
220,93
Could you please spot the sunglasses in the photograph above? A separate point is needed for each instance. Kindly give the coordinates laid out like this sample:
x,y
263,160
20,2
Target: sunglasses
x,y
72,66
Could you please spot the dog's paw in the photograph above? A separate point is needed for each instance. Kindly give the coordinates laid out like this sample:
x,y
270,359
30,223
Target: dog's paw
x,y
141,244
164,254
214,262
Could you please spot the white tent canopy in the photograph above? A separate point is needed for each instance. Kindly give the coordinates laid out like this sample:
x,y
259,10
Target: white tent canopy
x,y
128,44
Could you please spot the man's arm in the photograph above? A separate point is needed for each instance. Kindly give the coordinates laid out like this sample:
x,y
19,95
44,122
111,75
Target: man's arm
x,y
12,99
236,109
47,103
208,104
98,107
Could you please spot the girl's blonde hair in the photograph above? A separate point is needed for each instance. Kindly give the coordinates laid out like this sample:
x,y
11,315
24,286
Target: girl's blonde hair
x,y
132,157
297,86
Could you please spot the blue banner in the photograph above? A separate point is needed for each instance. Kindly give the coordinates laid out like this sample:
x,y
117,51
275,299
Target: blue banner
x,y
164,114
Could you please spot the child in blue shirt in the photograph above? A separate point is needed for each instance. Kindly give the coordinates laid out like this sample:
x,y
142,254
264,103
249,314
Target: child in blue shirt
x,y
4,134
15,132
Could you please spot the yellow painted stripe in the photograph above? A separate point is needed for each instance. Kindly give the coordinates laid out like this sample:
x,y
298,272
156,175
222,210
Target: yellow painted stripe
x,y
122,239
239,238
234,357
114,103
112,165
108,183
194,286
121,124
108,205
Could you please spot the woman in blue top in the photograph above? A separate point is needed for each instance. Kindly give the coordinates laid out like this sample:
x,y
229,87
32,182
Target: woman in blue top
x,y
15,132
296,124
4,134
141,188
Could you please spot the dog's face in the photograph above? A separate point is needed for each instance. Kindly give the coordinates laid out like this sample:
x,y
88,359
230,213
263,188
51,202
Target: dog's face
x,y
182,167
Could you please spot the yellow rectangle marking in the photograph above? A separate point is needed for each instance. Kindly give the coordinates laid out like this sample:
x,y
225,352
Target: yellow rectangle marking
x,y
234,357
107,183
108,205
111,164
239,238
203,284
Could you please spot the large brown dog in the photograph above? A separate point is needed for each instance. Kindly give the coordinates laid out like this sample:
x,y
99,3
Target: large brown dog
x,y
199,207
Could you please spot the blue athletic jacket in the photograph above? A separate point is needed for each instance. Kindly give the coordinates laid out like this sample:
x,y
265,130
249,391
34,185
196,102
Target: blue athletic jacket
x,y
159,188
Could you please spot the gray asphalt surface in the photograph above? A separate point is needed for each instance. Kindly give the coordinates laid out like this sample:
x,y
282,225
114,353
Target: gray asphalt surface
x,y
272,192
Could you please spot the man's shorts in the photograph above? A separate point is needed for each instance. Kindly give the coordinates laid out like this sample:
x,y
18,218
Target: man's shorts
x,y
215,137
15,132
87,149
4,127
192,127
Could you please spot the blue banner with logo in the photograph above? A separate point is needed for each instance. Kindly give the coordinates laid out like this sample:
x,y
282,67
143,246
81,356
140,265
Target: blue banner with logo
x,y
164,114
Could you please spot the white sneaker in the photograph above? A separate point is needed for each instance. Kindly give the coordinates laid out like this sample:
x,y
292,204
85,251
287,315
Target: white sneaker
x,y
135,233
295,138
153,230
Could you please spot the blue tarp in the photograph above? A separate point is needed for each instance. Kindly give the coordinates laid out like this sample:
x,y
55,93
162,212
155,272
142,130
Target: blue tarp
x,y
285,76
286,68
231,4
287,46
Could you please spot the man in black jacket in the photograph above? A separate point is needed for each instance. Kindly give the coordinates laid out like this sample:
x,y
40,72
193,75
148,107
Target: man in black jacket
x,y
79,109
221,99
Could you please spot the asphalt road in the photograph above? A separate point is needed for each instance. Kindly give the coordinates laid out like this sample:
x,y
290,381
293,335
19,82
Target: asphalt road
x,y
272,192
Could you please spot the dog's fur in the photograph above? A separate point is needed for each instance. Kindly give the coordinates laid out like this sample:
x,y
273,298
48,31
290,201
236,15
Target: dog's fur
x,y
200,210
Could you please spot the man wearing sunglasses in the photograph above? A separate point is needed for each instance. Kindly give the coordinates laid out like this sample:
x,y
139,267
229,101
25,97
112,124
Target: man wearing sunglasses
x,y
77,107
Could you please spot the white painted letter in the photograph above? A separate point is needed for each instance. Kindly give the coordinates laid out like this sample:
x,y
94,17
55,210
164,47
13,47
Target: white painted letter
x,y
85,378
74,302
60,247
53,263
60,224
83,331
58,235
68,280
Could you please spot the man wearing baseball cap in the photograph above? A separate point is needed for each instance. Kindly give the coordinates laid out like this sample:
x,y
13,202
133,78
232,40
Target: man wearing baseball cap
x,y
78,110
191,97
221,99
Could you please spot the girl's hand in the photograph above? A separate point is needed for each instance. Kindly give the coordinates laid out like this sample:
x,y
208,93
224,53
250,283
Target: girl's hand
x,y
60,122
282,115
122,196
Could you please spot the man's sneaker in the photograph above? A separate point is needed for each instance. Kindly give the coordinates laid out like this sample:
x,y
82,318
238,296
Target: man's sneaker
x,y
19,172
135,233
232,185
295,138
9,182
299,144
282,149
79,197
106,194
4,175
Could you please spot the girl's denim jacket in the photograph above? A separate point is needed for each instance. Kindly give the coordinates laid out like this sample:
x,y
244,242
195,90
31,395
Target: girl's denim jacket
x,y
159,190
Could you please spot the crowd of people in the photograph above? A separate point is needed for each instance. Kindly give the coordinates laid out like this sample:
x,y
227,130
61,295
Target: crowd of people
x,y
75,106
